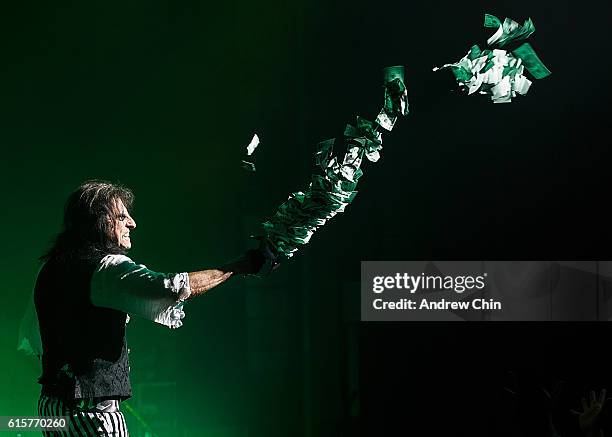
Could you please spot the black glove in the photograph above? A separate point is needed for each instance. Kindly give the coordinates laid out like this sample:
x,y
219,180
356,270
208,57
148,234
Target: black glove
x,y
271,259
260,261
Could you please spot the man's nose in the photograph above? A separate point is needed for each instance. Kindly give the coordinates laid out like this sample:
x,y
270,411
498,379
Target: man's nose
x,y
131,223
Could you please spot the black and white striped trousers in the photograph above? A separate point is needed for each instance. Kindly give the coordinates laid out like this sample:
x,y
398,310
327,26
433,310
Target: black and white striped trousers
x,y
83,422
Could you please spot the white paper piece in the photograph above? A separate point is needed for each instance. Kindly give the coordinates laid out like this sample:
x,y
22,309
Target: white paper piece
x,y
521,84
497,35
253,145
475,83
502,88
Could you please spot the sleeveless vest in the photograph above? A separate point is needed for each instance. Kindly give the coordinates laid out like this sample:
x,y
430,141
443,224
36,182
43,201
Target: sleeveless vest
x,y
84,348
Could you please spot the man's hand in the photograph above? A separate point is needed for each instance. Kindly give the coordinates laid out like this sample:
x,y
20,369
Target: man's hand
x,y
202,281
248,264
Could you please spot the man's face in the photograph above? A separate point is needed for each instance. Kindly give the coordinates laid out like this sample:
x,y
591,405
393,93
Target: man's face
x,y
122,224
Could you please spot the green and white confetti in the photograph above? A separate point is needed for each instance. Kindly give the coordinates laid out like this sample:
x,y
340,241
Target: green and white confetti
x,y
494,71
248,165
333,190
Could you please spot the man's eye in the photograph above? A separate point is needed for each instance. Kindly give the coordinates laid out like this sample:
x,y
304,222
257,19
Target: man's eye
x,y
122,217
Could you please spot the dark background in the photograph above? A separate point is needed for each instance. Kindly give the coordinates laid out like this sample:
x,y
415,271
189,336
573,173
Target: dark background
x,y
164,96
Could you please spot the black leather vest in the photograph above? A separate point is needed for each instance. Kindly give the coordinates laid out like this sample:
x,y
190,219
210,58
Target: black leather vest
x,y
84,348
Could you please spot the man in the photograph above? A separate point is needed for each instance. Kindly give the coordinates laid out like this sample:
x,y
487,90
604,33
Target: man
x,y
83,294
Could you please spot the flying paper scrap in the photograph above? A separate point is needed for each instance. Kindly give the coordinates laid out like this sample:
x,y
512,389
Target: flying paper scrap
x,y
496,72
253,145
247,165
508,31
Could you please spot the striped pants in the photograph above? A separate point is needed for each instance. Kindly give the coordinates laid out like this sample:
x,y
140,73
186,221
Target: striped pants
x,y
84,422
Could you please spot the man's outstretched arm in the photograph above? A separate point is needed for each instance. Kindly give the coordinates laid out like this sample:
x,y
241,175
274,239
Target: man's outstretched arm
x,y
202,281
249,263
121,284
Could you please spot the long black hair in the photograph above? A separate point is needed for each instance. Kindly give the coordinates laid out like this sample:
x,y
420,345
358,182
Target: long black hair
x,y
88,221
